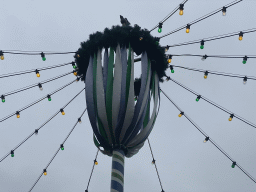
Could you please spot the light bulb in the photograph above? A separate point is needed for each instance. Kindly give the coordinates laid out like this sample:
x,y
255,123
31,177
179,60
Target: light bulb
x,y
181,9
223,13
63,113
202,47
43,56
240,38
45,173
18,116
172,71
181,114
3,100
96,162
141,38
49,98
233,165
206,139
75,73
187,30
205,76
230,119
2,57
38,74
181,12
159,30
224,10
12,153
169,60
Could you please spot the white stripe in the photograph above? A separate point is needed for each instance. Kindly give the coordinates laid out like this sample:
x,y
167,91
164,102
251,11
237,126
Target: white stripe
x,y
118,172
119,161
117,180
118,153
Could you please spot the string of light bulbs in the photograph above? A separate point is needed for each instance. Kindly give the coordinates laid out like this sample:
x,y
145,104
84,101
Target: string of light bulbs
x,y
17,113
240,35
154,163
179,7
34,85
36,130
207,138
206,72
223,9
204,57
232,115
60,148
95,162
40,69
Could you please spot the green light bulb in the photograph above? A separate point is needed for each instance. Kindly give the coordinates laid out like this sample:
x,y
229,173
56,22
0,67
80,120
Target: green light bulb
x,y
244,61
12,155
172,71
43,58
159,30
233,166
202,47
197,99
3,100
49,99
74,67
62,148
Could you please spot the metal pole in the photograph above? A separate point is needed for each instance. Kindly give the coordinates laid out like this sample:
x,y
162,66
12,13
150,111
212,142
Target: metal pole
x,y
117,172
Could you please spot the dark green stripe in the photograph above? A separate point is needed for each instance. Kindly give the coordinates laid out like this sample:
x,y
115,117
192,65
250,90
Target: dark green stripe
x,y
118,157
128,75
118,176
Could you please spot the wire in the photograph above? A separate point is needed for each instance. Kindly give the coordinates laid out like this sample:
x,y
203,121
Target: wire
x,y
92,170
33,70
216,56
202,18
169,15
56,153
22,142
213,38
155,165
215,144
34,85
217,73
31,53
35,102
215,104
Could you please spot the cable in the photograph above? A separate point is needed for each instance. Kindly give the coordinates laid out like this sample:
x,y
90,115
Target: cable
x,y
201,18
208,138
55,154
216,56
213,38
217,73
92,170
34,85
154,162
31,53
33,70
216,105
35,102
169,15
36,131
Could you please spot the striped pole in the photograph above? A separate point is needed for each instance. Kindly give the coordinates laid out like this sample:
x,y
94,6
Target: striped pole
x,y
117,174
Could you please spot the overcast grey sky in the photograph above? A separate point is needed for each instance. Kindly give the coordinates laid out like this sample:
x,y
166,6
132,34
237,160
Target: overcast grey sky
x,y
185,164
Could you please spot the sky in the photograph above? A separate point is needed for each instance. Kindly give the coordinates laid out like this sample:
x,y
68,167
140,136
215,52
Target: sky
x,y
184,162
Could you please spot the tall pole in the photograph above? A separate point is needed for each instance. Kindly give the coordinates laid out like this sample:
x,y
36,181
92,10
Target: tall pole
x,y
117,172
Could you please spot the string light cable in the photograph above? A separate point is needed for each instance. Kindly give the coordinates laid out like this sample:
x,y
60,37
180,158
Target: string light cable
x,y
20,52
33,70
200,19
37,101
94,163
154,163
170,14
214,38
36,130
207,138
62,146
217,73
34,85
215,104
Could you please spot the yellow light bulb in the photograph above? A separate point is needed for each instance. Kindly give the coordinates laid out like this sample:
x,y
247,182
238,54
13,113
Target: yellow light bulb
x,y
240,38
96,162
169,60
187,30
230,119
63,113
205,76
181,12
2,57
141,38
179,115
205,141
45,173
18,116
75,73
38,74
